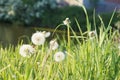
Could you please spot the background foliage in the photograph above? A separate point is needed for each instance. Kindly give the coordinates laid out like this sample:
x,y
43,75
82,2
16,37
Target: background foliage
x,y
45,13
24,11
56,16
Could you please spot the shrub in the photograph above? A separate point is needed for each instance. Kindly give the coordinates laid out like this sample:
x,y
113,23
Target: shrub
x,y
58,15
73,12
25,11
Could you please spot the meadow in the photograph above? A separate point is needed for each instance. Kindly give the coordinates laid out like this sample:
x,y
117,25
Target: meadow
x,y
90,55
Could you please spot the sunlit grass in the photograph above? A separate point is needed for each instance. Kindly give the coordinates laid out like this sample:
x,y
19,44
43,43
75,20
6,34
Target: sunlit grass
x,y
86,58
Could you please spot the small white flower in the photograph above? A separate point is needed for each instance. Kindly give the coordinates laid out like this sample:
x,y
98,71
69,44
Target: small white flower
x,y
92,34
26,50
59,56
66,21
46,34
119,50
11,12
119,47
53,44
38,38
14,76
38,63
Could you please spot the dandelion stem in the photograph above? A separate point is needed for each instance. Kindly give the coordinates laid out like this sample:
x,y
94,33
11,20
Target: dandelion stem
x,y
68,34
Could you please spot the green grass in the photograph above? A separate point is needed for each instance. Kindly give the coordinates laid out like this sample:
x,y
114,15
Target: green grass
x,y
87,59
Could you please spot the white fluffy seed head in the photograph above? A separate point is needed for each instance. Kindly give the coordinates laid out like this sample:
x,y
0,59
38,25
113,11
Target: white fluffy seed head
x,y
59,56
92,34
54,44
119,47
11,12
38,38
46,34
66,21
26,50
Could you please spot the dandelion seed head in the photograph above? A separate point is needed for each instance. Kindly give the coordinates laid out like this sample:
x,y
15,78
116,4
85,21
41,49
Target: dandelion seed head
x,y
26,50
59,56
92,34
11,12
38,63
66,21
54,44
38,38
46,34
119,47
14,76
